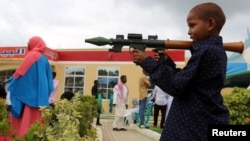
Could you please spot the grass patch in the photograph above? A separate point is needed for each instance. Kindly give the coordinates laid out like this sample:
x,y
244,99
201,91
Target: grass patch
x,y
156,129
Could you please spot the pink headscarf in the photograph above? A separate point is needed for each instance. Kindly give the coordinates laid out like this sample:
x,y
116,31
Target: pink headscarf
x,y
120,90
36,47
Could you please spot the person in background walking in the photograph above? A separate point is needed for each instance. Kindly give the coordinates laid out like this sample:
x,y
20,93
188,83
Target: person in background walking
x,y
110,96
67,95
52,97
120,103
3,93
95,91
6,83
144,84
160,99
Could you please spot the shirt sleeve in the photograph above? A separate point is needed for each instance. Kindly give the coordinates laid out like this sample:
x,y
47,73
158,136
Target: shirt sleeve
x,y
205,65
169,78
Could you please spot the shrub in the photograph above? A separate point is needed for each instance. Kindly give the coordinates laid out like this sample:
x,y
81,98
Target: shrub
x,y
67,120
4,122
238,103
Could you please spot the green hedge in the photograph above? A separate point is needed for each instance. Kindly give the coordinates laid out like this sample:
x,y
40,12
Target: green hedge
x,y
4,122
68,120
238,103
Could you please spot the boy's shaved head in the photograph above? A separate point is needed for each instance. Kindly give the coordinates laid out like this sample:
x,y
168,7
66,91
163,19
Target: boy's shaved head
x,y
210,10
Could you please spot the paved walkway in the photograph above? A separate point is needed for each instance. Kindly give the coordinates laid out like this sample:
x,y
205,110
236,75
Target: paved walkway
x,y
133,133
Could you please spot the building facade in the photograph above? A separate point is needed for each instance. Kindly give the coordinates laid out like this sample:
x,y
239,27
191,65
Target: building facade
x,y
78,68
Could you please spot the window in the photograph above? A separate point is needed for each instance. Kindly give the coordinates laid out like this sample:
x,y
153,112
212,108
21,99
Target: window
x,y
74,79
108,77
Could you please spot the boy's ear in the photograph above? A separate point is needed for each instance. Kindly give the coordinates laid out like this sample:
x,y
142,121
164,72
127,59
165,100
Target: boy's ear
x,y
211,24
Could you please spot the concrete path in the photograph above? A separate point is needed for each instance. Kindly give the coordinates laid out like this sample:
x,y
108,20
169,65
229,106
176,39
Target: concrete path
x,y
133,133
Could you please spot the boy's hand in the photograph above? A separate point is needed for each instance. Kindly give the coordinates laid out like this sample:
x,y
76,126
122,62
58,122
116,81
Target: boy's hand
x,y
158,53
138,56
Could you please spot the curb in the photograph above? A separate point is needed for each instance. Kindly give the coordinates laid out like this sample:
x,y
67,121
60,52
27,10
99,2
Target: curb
x,y
99,134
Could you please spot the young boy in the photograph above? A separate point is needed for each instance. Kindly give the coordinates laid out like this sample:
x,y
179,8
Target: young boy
x,y
196,88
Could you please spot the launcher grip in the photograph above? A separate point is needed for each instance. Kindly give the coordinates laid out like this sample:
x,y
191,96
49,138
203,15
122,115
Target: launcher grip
x,y
178,44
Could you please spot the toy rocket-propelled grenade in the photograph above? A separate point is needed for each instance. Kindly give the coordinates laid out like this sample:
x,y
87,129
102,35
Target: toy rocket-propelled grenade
x,y
136,41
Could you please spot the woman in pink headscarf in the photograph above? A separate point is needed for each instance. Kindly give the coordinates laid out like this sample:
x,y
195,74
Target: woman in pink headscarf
x,y
31,87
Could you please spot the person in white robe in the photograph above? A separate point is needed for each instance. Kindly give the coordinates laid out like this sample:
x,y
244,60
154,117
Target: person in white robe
x,y
120,103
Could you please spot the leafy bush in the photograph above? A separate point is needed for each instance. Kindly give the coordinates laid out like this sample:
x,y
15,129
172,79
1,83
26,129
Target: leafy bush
x,y
4,122
67,120
238,103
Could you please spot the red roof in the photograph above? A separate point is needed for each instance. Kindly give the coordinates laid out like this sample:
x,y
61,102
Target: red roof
x,y
83,55
176,55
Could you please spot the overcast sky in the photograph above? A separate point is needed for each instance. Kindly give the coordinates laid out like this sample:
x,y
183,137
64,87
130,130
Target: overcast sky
x,y
67,23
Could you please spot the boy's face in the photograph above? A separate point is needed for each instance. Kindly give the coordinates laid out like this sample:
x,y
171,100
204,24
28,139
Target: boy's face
x,y
198,28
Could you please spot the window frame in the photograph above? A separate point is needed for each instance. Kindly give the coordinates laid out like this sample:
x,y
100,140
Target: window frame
x,y
108,77
75,77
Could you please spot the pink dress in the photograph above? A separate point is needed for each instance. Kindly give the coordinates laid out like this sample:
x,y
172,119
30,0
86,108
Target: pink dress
x,y
22,124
